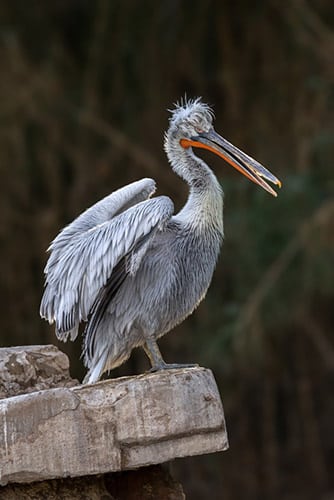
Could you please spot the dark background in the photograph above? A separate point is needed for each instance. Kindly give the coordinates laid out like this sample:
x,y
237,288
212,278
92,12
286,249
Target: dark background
x,y
84,90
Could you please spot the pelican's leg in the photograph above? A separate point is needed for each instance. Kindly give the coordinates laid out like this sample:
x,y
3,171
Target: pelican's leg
x,y
153,352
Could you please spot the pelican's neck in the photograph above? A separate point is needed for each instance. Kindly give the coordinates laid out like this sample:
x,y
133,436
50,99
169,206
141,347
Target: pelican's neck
x,y
204,207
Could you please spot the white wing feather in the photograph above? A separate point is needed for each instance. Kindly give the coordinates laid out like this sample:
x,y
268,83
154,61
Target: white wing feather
x,y
105,209
84,254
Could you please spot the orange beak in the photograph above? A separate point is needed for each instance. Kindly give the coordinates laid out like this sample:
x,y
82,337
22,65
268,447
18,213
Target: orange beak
x,y
235,157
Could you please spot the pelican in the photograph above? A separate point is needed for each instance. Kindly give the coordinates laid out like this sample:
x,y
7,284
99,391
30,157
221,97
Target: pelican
x,y
129,267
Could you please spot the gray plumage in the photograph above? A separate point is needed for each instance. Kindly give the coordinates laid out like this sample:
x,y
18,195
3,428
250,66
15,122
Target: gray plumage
x,y
130,268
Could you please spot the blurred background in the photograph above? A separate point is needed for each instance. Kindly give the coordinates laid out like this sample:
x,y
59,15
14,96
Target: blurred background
x,y
84,92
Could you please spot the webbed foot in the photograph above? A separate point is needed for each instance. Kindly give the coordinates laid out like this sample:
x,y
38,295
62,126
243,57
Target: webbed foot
x,y
171,366
152,350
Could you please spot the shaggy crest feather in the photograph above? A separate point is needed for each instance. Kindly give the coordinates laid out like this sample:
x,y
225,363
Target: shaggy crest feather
x,y
192,109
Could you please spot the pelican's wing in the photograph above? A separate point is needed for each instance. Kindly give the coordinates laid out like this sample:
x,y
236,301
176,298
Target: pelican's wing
x,y
85,253
103,211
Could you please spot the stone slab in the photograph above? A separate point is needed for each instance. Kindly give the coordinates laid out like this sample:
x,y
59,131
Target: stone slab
x,y
113,425
26,369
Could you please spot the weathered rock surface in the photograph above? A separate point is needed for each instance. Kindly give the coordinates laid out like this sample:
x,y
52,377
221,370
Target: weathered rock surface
x,y
113,425
32,368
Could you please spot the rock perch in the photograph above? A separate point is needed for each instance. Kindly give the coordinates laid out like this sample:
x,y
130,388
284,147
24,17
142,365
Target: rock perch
x,y
113,425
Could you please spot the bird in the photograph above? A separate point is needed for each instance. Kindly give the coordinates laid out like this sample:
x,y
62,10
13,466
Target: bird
x,y
131,269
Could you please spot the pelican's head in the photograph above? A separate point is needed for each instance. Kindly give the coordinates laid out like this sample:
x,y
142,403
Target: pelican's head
x,y
190,126
189,118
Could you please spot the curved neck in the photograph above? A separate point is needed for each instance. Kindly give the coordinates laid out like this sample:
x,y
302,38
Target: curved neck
x,y
204,207
188,166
